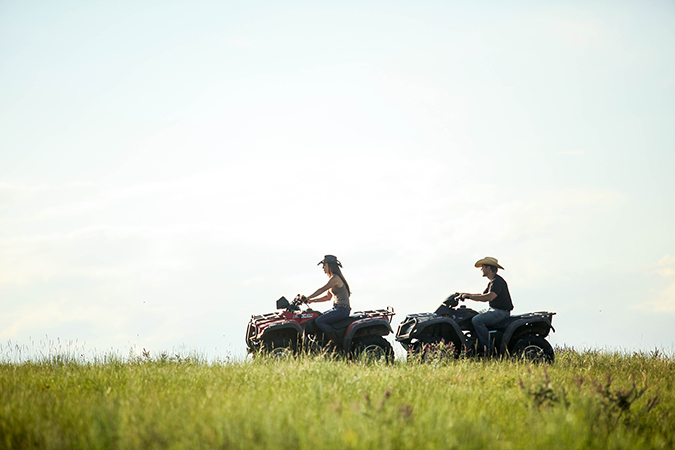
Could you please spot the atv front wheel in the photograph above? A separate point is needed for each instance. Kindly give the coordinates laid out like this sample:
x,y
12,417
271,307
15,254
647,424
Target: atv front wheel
x,y
533,348
436,350
279,348
373,349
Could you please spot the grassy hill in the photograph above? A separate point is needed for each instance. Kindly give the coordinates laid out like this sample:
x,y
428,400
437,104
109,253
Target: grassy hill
x,y
585,400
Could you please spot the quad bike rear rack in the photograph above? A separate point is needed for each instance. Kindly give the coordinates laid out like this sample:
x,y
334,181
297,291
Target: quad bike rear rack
x,y
388,313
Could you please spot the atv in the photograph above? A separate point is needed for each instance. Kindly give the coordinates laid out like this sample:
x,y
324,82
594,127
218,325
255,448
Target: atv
x,y
286,332
449,332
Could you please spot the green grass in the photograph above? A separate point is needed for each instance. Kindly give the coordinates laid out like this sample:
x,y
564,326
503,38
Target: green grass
x,y
585,400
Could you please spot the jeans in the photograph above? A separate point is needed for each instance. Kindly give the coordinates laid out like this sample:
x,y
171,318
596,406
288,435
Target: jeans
x,y
483,320
332,315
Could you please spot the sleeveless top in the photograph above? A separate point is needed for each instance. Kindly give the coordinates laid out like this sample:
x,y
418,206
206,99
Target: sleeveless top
x,y
340,296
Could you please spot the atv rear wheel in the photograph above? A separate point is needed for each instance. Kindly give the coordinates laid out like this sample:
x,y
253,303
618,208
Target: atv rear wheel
x,y
279,348
533,348
373,349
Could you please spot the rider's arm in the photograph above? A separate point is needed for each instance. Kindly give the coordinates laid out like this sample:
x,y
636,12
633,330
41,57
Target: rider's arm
x,y
325,298
331,284
480,297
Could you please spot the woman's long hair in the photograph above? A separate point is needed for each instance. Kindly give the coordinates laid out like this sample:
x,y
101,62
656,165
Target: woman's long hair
x,y
334,269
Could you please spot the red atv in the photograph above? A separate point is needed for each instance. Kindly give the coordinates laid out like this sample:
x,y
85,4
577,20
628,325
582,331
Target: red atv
x,y
292,330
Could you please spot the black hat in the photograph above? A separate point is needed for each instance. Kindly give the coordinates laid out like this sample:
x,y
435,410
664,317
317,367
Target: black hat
x,y
330,259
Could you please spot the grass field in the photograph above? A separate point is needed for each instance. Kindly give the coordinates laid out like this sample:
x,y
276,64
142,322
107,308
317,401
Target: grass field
x,y
586,400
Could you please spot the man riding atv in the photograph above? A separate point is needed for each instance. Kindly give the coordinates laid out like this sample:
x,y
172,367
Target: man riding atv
x,y
455,330
499,298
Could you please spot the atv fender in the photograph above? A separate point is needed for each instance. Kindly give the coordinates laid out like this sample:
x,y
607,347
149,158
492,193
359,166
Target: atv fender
x,y
289,329
537,325
365,327
449,325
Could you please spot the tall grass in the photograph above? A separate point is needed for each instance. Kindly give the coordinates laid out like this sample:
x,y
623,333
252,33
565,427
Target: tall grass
x,y
586,400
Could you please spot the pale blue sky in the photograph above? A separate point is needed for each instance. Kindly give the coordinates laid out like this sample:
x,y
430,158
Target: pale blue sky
x,y
168,169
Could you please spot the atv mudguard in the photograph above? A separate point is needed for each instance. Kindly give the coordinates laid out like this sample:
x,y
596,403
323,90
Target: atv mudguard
x,y
451,331
364,327
288,329
537,323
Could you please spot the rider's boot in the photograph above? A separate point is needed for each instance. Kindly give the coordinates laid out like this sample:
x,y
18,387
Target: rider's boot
x,y
482,351
488,352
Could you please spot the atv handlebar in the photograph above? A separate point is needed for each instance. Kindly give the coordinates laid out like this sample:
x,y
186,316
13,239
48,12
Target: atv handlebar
x,y
453,300
283,303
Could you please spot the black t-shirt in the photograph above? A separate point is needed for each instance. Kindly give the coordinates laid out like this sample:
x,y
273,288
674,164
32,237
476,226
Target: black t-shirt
x,y
503,298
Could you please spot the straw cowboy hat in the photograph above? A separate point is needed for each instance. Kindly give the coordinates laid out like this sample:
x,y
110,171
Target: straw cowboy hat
x,y
488,261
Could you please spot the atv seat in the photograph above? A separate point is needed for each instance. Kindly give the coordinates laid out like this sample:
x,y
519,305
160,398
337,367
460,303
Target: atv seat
x,y
342,324
536,316
504,324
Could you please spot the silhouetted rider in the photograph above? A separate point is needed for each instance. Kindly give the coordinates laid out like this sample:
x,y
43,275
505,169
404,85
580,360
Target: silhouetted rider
x,y
497,294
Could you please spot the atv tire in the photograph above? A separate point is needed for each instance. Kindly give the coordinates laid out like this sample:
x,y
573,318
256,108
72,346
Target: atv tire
x,y
437,349
533,348
373,349
279,348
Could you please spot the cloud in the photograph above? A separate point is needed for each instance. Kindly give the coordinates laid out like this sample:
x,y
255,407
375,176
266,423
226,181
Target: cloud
x,y
666,266
664,302
405,205
103,253
15,187
664,298
12,193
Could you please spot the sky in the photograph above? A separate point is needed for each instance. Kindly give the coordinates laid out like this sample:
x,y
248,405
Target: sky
x,y
168,169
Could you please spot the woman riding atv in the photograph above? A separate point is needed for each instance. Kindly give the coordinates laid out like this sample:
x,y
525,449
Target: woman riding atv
x,y
336,289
